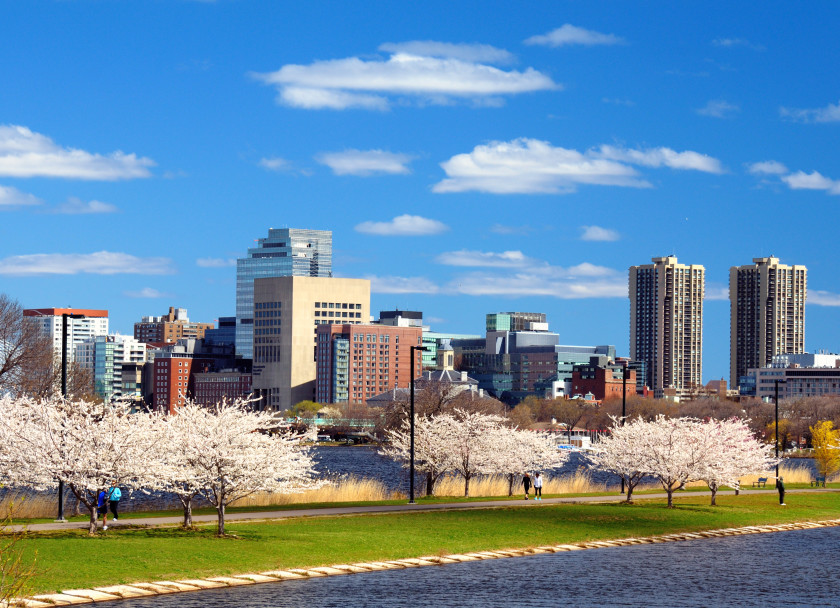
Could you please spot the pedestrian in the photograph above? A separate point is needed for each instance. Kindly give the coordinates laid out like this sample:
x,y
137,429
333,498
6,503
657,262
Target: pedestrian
x,y
537,487
526,483
102,509
780,486
114,495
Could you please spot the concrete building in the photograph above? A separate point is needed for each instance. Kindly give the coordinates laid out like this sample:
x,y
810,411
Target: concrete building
x,y
105,357
666,323
287,313
49,323
284,252
356,362
799,375
169,328
210,388
767,314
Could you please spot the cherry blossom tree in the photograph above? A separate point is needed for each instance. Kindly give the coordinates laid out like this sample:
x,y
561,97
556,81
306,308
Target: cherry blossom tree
x,y
517,451
471,442
674,451
730,451
229,451
432,450
622,452
89,446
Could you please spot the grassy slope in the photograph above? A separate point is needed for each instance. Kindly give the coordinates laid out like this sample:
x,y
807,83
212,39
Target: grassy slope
x,y
73,560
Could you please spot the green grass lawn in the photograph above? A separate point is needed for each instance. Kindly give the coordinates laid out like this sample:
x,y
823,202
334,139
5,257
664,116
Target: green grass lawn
x,y
71,559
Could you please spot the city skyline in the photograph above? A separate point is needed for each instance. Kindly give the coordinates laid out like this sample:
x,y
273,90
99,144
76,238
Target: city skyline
x,y
522,161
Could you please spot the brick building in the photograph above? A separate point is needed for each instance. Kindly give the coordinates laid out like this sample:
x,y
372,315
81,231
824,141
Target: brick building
x,y
170,328
602,378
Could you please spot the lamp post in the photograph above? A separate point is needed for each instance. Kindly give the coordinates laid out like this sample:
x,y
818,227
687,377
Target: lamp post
x,y
776,399
623,404
64,317
411,424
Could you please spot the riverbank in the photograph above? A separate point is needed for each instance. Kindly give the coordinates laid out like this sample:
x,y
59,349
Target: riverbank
x,y
68,559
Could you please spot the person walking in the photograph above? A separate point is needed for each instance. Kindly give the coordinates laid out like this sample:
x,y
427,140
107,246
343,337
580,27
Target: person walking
x,y
102,509
537,487
780,486
526,483
114,495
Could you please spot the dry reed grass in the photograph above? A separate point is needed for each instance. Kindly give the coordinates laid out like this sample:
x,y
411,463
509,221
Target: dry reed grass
x,y
26,505
579,482
349,489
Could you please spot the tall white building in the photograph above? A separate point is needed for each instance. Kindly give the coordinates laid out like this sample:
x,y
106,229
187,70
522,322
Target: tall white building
x,y
767,314
285,252
82,324
666,323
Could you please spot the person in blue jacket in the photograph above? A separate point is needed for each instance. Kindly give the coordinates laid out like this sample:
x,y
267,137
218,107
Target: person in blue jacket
x,y
114,495
102,509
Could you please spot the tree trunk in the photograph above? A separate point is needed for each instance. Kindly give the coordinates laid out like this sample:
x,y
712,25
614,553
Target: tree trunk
x,y
511,478
94,516
629,490
670,491
187,502
430,484
466,486
221,511
714,494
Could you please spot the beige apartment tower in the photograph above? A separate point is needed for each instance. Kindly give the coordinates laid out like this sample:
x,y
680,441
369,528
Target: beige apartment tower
x,y
287,312
767,314
666,324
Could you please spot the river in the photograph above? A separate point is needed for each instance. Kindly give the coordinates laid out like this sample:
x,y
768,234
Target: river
x,y
796,568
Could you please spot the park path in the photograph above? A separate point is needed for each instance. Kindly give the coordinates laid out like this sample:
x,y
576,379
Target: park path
x,y
373,509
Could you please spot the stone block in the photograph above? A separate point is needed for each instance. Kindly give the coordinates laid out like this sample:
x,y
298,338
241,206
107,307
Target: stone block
x,y
125,591
91,594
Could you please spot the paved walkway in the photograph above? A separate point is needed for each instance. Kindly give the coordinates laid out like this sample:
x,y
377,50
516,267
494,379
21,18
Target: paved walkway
x,y
127,520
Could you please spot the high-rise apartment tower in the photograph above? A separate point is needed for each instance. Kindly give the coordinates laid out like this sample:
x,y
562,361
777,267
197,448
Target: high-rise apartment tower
x,y
285,252
666,323
767,308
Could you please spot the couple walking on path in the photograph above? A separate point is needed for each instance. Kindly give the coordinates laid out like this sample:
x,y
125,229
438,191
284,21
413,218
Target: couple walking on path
x,y
537,482
111,496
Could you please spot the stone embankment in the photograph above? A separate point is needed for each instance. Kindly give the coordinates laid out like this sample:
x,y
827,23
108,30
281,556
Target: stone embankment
x,y
117,592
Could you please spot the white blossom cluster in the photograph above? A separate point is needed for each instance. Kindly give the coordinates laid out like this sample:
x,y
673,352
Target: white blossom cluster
x,y
676,451
469,444
222,453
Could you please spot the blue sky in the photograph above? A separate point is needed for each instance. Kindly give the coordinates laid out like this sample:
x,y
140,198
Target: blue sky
x,y
469,157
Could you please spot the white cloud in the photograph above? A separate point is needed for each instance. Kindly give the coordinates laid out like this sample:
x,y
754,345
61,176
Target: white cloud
x,y
505,259
101,262
716,291
365,162
402,285
502,229
734,42
75,206
357,83
12,197
823,298
530,166
596,233
528,284
663,157
811,181
24,153
215,262
274,163
477,53
718,108
767,167
830,113
146,292
403,225
569,34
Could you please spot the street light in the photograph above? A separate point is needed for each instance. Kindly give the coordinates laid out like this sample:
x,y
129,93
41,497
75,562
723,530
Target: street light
x,y
411,466
776,398
64,317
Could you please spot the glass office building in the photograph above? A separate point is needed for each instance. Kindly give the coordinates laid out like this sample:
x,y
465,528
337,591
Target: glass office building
x,y
285,252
